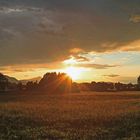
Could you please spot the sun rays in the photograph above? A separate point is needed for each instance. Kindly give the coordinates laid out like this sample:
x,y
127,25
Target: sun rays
x,y
73,72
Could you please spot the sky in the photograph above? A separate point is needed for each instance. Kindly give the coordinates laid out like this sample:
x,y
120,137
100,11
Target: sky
x,y
98,40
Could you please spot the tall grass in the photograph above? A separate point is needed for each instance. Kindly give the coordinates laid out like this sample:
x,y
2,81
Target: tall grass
x,y
85,116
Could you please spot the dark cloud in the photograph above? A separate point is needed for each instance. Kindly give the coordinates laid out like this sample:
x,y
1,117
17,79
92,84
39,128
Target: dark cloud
x,y
112,75
42,31
81,58
135,18
95,66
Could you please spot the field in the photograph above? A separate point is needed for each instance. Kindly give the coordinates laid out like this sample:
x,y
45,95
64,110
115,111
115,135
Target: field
x,y
75,116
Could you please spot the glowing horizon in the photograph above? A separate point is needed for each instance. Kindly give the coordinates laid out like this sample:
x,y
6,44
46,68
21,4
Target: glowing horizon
x,y
90,40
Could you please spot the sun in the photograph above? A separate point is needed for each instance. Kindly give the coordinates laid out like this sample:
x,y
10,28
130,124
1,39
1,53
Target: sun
x,y
73,72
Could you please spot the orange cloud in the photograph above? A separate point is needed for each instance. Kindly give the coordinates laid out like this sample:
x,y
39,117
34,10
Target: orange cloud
x,y
132,46
76,50
135,18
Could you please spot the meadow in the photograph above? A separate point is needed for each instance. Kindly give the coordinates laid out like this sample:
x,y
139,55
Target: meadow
x,y
72,116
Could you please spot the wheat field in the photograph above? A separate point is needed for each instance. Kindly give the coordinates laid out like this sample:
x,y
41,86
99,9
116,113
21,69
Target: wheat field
x,y
72,116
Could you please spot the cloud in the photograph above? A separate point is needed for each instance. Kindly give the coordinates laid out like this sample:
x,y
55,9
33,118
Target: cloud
x,y
18,9
112,75
9,33
6,10
76,50
37,31
132,46
19,68
48,25
135,18
86,62
127,79
80,58
95,66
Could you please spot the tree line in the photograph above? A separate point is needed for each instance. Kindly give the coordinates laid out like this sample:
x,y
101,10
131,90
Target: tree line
x,y
61,82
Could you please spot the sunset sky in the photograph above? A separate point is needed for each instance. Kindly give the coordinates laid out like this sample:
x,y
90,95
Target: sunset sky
x,y
92,40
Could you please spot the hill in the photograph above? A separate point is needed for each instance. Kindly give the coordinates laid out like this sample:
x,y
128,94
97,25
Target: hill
x,y
32,79
11,79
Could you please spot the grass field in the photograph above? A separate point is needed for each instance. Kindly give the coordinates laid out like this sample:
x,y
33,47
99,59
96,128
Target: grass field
x,y
81,116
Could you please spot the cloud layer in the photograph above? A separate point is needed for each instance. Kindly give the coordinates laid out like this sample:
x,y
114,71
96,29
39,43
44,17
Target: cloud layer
x,y
40,31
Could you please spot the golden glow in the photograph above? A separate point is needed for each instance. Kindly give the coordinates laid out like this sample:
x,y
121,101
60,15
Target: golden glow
x,y
73,72
70,61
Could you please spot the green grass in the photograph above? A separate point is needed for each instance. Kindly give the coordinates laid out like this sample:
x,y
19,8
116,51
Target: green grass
x,y
81,116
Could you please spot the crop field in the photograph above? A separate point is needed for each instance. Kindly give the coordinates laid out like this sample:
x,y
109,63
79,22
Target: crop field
x,y
72,116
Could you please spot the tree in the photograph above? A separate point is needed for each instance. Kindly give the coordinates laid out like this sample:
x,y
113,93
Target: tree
x,y
138,82
31,85
53,82
19,86
3,82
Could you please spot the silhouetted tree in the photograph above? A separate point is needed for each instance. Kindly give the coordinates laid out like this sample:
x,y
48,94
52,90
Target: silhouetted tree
x,y
61,82
84,86
31,85
138,83
75,87
130,87
53,82
12,86
138,80
20,86
3,82
118,86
